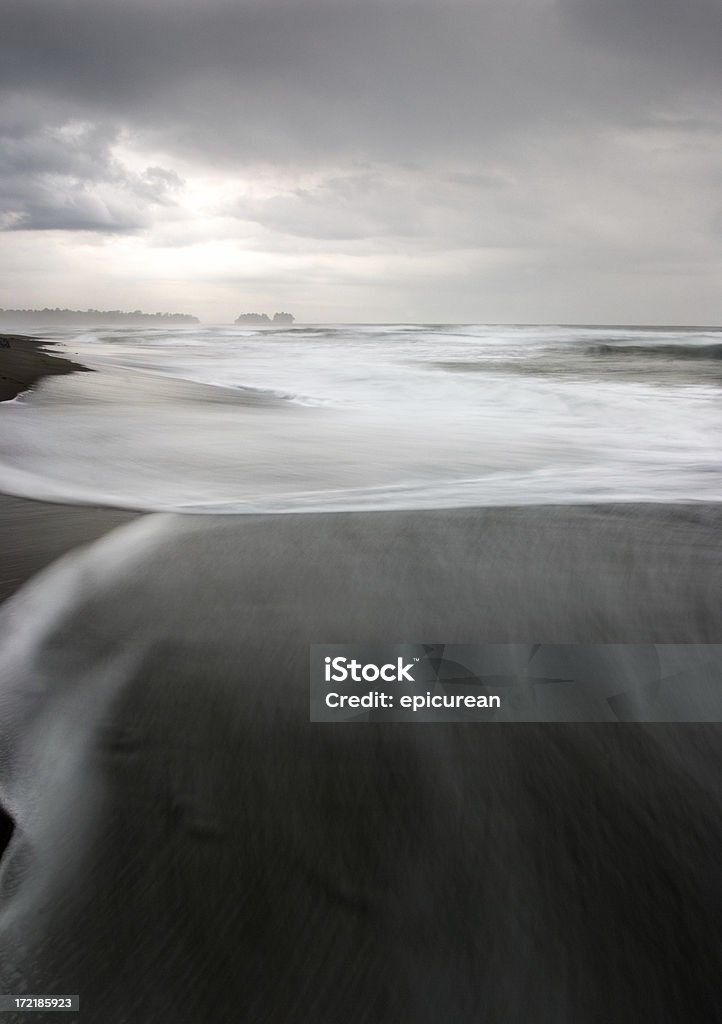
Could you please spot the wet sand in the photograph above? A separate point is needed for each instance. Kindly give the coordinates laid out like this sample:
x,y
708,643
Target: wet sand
x,y
188,846
25,360
34,533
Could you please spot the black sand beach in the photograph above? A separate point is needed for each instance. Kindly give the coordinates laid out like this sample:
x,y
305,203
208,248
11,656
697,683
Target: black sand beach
x,y
34,533
188,847
24,361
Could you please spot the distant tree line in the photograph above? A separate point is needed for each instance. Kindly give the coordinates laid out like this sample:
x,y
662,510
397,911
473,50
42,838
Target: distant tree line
x,y
93,316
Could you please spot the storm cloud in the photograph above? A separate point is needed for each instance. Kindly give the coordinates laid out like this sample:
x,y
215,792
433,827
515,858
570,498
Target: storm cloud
x,y
583,135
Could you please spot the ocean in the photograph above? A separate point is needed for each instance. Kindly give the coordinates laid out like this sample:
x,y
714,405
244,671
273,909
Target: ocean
x,y
232,419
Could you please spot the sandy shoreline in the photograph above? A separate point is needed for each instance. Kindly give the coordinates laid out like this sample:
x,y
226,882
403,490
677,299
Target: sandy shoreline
x,y
643,573
35,533
189,847
25,360
181,823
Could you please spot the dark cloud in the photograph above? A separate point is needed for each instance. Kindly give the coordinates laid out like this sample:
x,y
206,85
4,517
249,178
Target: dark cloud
x,y
576,132
682,38
321,78
65,177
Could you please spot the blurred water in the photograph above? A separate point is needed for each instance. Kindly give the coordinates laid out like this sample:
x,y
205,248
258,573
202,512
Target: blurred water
x,y
231,419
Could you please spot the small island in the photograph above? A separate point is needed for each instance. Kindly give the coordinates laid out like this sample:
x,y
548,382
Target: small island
x,y
261,319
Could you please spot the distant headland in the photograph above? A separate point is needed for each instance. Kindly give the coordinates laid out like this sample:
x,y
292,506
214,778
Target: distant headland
x,y
91,317
258,319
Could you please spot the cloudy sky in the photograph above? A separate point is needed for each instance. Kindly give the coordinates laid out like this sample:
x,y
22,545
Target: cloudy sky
x,y
425,160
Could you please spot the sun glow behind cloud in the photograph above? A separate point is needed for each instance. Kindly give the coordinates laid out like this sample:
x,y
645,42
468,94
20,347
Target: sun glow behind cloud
x,y
475,162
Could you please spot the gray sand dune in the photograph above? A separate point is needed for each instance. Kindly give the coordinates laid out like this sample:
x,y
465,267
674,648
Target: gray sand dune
x,y
189,848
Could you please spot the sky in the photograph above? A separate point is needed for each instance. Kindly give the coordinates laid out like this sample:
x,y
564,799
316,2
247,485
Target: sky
x,y
537,161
